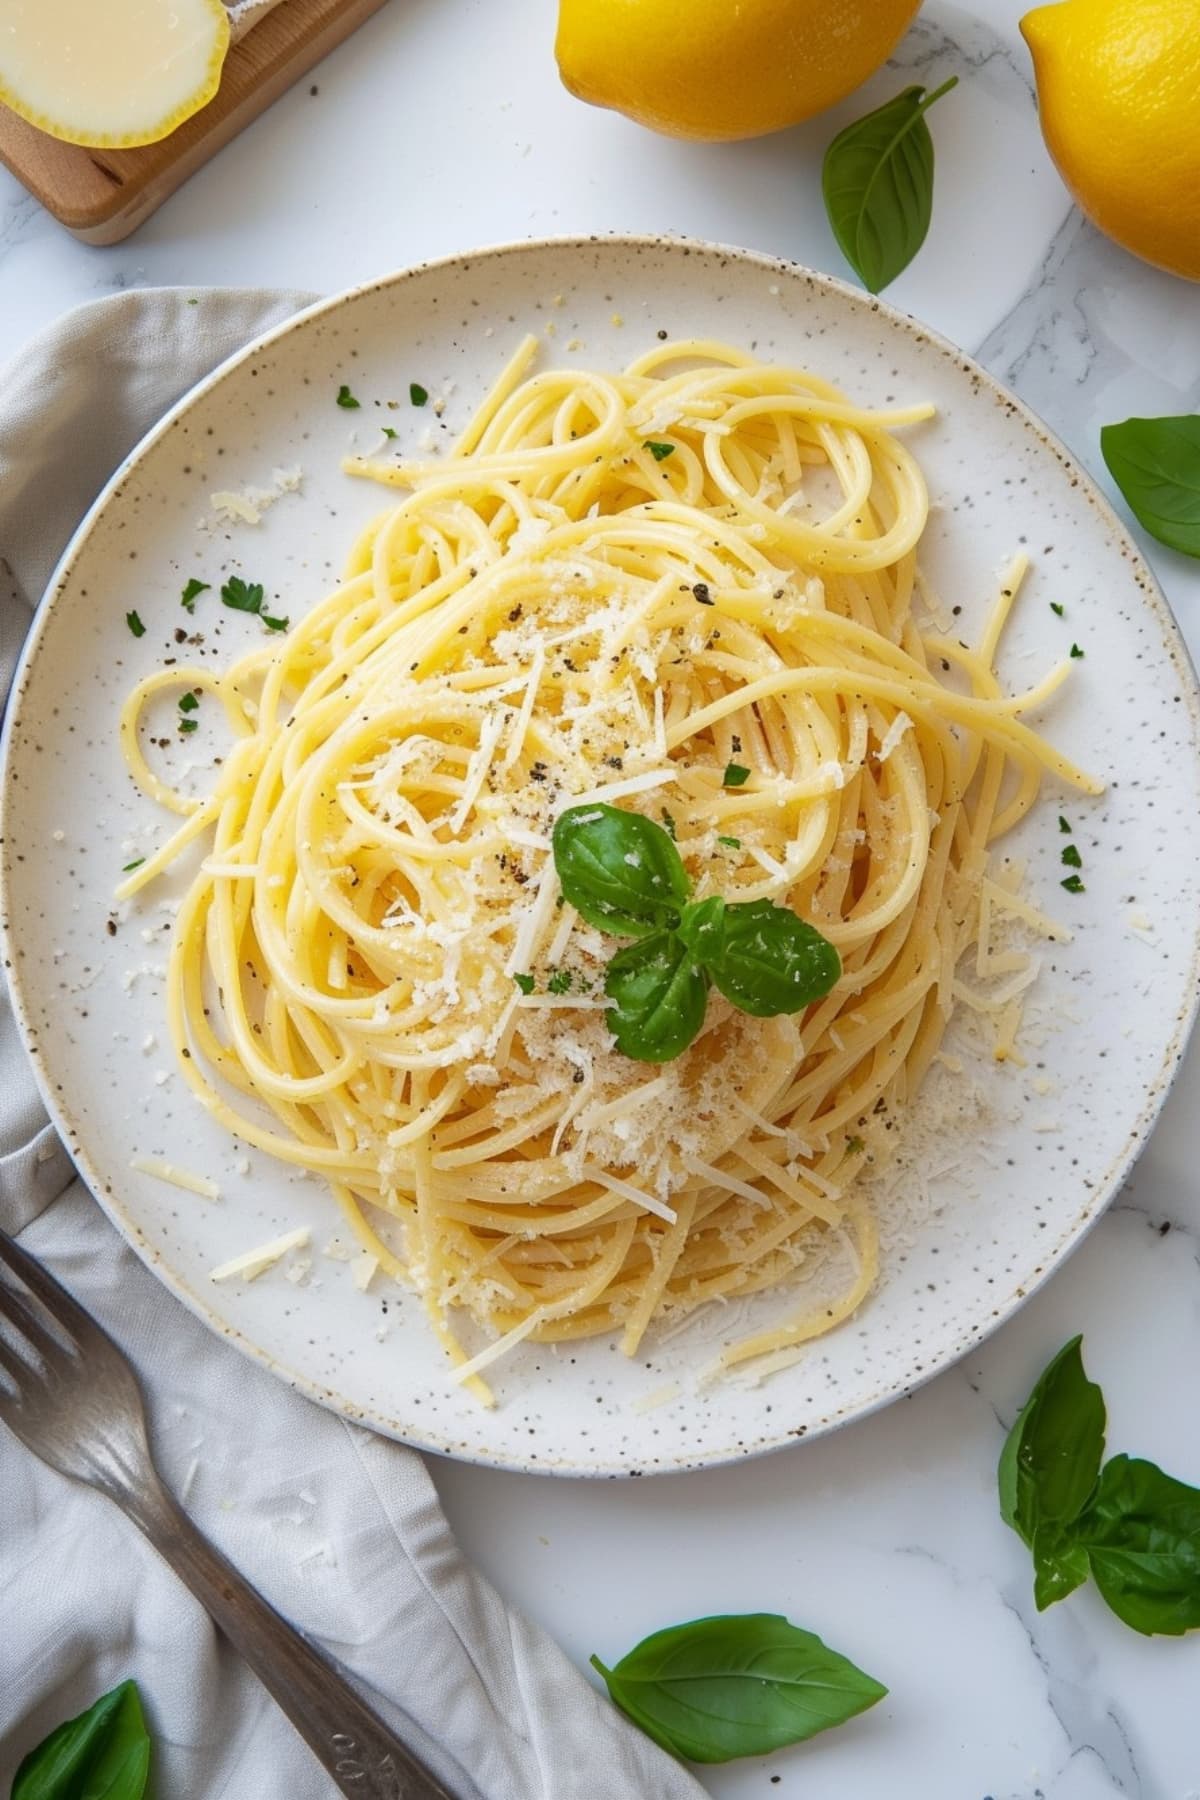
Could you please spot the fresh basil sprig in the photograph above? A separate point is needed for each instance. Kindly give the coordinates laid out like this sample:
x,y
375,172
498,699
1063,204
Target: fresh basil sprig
x,y
1142,1534
877,181
1135,1530
738,1685
1049,1468
623,874
104,1754
1156,465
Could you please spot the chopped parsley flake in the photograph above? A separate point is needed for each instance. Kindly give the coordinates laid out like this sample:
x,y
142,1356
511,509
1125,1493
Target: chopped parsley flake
x,y
189,724
734,843
417,394
243,596
1073,885
669,822
659,452
274,624
855,1146
525,983
1064,825
389,432
135,624
190,592
735,775
135,864
559,982
1056,606
1075,650
346,398
1072,857
188,702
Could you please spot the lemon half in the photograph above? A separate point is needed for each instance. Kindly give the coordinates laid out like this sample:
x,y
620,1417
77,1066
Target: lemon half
x,y
110,73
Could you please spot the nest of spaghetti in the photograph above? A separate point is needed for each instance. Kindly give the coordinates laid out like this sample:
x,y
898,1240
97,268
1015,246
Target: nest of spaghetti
x,y
621,588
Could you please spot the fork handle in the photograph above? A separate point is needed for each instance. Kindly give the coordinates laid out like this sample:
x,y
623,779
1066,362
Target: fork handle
x,y
364,1759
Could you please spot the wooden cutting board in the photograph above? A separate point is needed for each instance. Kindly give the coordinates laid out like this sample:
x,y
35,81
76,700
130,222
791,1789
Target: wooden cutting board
x,y
103,195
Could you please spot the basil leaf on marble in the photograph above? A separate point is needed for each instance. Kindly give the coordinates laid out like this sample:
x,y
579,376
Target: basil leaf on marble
x,y
1142,1537
877,182
737,1685
1156,465
1135,1530
1050,1463
1060,1563
104,1754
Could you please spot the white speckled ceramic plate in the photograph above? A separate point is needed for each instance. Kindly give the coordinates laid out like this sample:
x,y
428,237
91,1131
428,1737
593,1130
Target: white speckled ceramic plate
x,y
996,1197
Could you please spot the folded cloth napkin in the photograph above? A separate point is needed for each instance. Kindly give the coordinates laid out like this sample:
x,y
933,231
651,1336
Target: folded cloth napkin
x,y
339,1528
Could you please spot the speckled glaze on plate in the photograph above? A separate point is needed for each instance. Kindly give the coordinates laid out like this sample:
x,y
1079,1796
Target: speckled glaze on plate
x,y
1004,1188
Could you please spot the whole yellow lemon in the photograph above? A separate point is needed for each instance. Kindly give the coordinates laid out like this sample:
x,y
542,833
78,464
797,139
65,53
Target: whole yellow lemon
x,y
1119,94
723,68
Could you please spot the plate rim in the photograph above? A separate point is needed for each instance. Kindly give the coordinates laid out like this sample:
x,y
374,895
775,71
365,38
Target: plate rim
x,y
441,1442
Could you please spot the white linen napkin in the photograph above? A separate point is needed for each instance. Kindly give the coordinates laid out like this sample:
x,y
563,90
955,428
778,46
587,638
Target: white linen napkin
x,y
340,1529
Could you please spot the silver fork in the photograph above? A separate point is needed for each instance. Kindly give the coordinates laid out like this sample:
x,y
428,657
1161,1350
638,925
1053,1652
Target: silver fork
x,y
71,1397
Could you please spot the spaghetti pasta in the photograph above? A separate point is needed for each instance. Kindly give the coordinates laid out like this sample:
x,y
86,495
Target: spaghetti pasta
x,y
619,588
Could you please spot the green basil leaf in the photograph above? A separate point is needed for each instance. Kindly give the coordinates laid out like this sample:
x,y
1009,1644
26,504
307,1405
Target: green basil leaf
x,y
877,180
660,997
740,1685
1050,1462
104,1754
1060,1563
1156,465
1142,1535
620,871
761,956
702,927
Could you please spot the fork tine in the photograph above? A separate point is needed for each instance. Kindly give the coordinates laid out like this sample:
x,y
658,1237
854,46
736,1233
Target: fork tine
x,y
16,1370
63,1309
17,1311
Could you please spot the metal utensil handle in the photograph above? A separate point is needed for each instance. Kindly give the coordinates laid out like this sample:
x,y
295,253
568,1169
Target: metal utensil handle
x,y
361,1755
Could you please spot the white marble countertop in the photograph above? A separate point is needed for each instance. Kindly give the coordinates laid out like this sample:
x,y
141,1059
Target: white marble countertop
x,y
439,126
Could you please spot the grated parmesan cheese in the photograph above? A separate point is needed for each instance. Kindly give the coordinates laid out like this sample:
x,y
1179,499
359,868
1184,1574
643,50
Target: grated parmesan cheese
x,y
171,1173
895,731
621,790
500,1348
248,508
252,1263
1004,899
660,1396
477,769
516,742
627,1191
363,1270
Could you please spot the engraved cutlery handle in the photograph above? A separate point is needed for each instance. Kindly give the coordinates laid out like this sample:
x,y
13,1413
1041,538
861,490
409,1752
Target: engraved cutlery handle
x,y
362,1756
